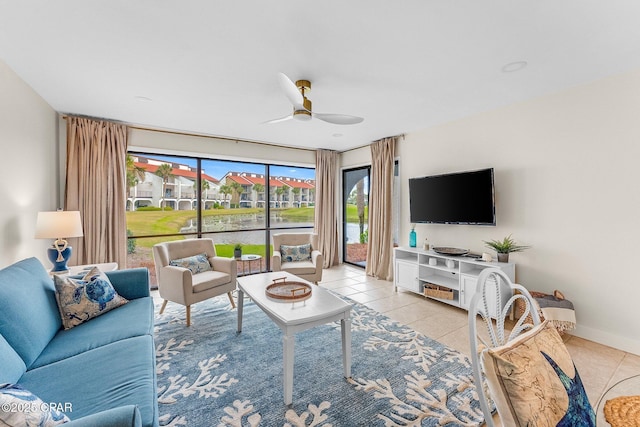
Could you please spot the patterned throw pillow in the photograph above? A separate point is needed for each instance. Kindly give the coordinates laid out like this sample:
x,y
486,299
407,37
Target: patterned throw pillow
x,y
197,263
83,299
295,253
534,382
20,407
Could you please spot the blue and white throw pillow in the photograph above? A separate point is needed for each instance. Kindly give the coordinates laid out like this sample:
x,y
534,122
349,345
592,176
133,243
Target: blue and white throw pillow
x,y
295,253
197,263
20,407
83,299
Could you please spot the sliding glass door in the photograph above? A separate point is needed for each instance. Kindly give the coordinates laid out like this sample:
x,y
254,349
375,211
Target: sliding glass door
x,y
355,202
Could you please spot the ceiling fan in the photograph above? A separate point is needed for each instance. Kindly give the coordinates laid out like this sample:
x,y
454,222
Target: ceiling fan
x,y
296,93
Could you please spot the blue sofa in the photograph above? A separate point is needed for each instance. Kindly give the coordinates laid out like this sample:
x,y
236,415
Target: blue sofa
x,y
103,369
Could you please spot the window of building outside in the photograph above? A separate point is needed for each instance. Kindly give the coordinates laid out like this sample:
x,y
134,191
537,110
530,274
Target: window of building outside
x,y
234,203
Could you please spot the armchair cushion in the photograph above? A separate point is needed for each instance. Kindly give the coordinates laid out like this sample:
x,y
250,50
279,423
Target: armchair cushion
x,y
299,267
26,409
80,300
196,263
209,279
533,381
295,253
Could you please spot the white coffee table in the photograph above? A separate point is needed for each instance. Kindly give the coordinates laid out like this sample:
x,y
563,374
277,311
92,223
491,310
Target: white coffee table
x,y
320,308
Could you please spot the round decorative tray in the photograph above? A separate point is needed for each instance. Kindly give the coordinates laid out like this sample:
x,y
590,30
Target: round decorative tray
x,y
450,251
290,291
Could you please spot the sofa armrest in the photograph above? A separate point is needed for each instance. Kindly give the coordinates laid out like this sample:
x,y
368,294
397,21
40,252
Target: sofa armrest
x,y
131,283
122,416
276,261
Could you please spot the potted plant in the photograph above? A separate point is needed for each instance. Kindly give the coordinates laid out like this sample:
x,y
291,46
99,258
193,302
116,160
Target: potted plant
x,y
237,251
504,247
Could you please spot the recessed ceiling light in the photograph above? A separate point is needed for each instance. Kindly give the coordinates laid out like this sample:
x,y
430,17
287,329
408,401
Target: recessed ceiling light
x,y
143,99
337,135
512,67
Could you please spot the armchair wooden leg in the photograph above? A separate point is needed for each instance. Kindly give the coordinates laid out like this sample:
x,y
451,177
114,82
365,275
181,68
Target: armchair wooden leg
x,y
233,303
188,315
164,304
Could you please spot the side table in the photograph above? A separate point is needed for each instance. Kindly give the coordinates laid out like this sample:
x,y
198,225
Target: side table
x,y
629,387
247,259
79,269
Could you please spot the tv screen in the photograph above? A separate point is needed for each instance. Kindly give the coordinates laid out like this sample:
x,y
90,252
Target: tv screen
x,y
455,198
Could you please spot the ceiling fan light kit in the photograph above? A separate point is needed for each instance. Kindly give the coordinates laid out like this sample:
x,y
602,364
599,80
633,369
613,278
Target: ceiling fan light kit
x,y
302,111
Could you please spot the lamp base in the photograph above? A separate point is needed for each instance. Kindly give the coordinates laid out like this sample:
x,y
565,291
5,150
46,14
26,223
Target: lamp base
x,y
59,266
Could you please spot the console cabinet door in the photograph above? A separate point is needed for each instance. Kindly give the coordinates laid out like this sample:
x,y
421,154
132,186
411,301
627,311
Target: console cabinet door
x,y
407,276
468,288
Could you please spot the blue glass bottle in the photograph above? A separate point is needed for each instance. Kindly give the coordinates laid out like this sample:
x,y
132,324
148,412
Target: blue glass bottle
x,y
412,238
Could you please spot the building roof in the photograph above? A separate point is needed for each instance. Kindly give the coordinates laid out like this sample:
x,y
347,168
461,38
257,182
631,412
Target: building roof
x,y
189,174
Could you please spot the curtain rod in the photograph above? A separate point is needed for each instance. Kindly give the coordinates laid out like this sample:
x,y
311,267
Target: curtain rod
x,y
401,136
175,132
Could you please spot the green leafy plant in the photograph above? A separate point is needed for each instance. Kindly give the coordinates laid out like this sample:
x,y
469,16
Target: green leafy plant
x,y
237,247
505,246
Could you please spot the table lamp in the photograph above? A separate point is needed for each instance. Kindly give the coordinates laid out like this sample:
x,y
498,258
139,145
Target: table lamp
x,y
54,225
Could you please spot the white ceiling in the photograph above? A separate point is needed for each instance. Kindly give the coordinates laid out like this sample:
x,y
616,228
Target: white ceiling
x,y
211,66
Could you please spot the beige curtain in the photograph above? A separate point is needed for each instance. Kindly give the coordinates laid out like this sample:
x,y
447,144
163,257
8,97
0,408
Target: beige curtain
x,y
326,219
380,246
96,186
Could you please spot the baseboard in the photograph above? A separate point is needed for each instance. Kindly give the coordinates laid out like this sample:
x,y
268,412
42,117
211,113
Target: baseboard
x,y
607,338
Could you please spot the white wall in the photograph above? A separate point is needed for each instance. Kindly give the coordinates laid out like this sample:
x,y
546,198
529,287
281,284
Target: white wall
x,y
28,183
220,149
567,183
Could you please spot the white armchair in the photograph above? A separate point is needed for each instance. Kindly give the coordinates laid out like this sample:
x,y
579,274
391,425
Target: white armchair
x,y
197,283
309,268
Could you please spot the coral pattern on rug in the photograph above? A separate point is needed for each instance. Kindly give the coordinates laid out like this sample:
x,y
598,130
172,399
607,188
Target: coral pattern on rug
x,y
210,375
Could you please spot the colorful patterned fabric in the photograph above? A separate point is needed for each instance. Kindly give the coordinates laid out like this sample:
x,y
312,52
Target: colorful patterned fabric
x,y
533,379
295,253
197,263
83,299
20,407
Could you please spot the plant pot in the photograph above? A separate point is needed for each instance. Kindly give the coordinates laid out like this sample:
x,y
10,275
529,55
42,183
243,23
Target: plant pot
x,y
503,257
237,253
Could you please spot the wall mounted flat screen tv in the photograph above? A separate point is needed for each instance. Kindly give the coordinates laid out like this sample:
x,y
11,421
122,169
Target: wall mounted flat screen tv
x,y
454,198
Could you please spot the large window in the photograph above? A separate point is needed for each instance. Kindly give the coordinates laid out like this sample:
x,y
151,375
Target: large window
x,y
235,203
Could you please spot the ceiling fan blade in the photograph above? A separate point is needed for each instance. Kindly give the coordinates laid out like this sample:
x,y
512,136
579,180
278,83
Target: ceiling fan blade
x,y
291,91
281,119
338,119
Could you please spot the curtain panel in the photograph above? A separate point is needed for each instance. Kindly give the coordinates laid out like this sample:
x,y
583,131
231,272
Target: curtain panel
x,y
326,218
96,186
380,245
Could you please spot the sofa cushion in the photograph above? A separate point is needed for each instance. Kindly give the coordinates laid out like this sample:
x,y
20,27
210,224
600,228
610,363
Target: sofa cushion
x,y
80,300
11,365
27,409
533,381
130,283
113,375
196,263
132,319
29,315
295,253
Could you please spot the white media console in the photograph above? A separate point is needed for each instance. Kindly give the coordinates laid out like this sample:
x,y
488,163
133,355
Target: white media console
x,y
446,278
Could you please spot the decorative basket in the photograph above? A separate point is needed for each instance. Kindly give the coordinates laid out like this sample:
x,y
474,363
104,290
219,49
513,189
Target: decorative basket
x,y
436,291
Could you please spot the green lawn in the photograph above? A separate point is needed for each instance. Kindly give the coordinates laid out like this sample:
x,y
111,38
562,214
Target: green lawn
x,y
150,223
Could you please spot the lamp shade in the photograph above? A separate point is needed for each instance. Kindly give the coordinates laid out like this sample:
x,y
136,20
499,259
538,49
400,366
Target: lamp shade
x,y
58,225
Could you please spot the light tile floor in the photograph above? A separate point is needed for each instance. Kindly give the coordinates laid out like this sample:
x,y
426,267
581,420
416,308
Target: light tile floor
x,y
600,366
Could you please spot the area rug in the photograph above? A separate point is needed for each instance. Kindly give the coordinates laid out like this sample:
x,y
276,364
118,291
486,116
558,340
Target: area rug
x,y
210,375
